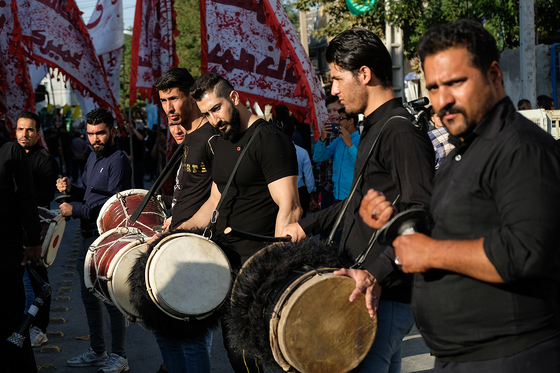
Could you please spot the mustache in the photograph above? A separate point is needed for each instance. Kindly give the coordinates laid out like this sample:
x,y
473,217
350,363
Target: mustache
x,y
452,109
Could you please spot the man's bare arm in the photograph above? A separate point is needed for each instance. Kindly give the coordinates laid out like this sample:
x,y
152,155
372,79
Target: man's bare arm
x,y
285,193
204,214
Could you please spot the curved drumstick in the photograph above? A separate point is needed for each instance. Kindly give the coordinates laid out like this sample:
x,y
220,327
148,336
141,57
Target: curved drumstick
x,y
255,237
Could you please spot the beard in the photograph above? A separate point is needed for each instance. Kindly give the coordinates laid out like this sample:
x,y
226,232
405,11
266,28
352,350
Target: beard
x,y
234,123
103,147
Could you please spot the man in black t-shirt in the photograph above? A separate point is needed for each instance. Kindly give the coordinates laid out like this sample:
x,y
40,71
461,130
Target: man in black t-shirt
x,y
192,188
263,196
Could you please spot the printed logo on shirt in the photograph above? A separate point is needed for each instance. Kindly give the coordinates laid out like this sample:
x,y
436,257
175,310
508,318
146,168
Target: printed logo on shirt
x,y
100,171
194,168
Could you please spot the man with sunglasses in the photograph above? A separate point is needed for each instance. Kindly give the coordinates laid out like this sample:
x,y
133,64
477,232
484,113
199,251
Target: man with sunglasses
x,y
342,151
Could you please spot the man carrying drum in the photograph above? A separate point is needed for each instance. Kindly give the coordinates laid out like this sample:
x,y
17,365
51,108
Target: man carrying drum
x,y
401,165
44,169
263,196
107,169
193,183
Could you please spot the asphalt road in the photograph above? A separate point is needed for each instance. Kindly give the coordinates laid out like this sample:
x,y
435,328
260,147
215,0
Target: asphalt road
x,y
68,331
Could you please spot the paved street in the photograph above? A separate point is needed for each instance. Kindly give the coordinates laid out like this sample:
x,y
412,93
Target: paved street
x,y
69,327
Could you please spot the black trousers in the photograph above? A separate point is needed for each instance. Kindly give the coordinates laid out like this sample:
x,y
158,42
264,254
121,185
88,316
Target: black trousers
x,y
13,359
542,358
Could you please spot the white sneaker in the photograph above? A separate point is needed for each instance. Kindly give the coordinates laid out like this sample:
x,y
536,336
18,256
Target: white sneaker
x,y
37,337
115,364
88,359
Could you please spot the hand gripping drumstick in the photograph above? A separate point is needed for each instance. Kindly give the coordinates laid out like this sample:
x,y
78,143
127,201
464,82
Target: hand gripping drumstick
x,y
17,337
255,237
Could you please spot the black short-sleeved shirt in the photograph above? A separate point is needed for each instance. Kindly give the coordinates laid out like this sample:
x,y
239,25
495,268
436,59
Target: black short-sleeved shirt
x,y
248,205
402,163
193,182
503,184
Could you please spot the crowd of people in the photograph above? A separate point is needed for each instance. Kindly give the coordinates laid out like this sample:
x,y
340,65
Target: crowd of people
x,y
483,287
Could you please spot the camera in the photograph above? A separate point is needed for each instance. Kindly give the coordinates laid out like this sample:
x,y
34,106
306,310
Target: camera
x,y
418,109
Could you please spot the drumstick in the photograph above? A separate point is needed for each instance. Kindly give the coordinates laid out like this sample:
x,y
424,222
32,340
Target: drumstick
x,y
255,237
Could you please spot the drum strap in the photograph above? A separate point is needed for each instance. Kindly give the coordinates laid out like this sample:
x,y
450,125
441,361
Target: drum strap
x,y
358,181
214,218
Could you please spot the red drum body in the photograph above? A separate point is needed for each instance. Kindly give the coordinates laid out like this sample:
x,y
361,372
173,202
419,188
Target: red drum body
x,y
52,230
118,209
108,264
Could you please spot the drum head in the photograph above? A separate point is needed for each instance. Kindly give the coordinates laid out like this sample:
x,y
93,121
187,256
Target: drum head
x,y
319,330
52,240
188,275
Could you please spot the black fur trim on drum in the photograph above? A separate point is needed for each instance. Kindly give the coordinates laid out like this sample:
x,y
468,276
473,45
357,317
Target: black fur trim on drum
x,y
152,316
266,272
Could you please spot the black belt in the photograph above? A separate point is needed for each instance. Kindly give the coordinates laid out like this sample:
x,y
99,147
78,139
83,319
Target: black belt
x,y
90,233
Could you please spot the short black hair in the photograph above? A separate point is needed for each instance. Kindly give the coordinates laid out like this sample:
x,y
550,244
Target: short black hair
x,y
211,82
349,115
544,102
178,77
357,47
466,33
331,100
32,116
523,101
100,115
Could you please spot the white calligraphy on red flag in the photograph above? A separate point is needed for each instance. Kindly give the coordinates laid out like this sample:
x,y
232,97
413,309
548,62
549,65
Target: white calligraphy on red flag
x,y
256,48
153,45
16,92
61,40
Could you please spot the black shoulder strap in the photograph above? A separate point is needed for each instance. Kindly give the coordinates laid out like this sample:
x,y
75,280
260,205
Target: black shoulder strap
x,y
214,219
358,180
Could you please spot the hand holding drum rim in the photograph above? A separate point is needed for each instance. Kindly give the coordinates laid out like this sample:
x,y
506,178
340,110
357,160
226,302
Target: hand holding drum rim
x,y
375,209
366,284
295,231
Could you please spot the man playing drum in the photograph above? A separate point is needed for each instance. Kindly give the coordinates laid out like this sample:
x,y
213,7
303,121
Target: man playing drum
x,y
192,188
44,169
108,169
401,166
263,196
486,286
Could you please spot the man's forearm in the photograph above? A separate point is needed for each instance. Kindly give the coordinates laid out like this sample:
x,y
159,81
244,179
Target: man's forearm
x,y
287,216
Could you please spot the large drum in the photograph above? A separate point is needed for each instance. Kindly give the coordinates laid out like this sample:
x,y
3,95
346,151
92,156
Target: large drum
x,y
288,309
118,209
108,263
52,229
180,284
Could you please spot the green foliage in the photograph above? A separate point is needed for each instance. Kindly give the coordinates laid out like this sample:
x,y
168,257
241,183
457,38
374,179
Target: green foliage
x,y
188,41
415,17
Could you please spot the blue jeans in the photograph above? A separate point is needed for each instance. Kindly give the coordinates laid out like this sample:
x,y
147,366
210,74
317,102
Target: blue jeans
x,y
29,293
94,312
394,322
186,357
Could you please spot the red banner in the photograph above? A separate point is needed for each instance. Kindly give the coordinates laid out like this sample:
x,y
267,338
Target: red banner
x,y
153,46
253,44
61,40
16,92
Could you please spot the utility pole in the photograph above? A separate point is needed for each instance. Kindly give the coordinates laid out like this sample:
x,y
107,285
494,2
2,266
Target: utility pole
x,y
527,56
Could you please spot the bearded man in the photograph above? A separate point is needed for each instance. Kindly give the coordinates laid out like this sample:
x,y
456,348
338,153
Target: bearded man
x,y
108,169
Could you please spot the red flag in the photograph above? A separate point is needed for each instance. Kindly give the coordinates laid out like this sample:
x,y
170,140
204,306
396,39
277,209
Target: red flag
x,y
153,46
16,92
253,44
61,41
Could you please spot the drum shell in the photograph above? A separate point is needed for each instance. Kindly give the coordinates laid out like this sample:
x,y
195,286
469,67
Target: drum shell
x,y
272,271
160,317
118,209
108,264
52,229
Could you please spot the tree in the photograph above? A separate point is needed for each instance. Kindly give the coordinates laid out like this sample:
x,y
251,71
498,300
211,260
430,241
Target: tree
x,y
415,17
